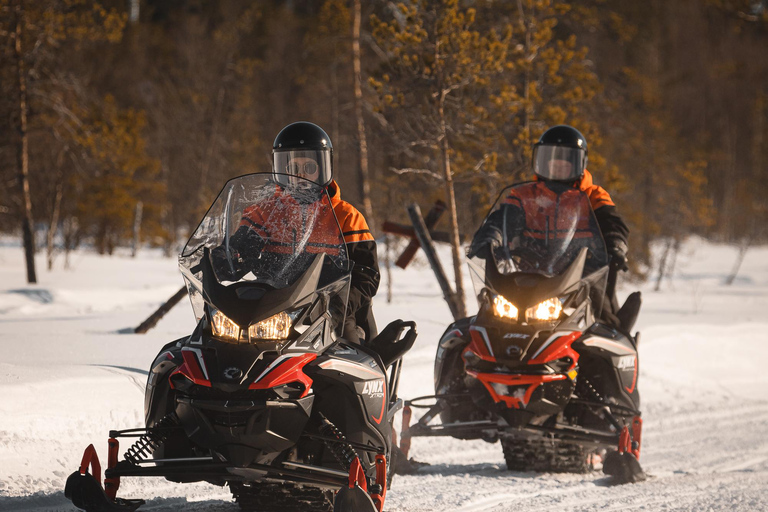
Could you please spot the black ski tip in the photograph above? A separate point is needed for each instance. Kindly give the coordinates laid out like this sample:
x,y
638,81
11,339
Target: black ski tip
x,y
402,465
624,468
86,493
353,499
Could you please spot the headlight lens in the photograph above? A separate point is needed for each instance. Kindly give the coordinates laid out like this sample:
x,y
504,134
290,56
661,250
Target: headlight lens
x,y
276,327
545,311
502,308
223,327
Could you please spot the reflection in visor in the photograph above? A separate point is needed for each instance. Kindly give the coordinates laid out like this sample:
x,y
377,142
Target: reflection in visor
x,y
313,165
558,163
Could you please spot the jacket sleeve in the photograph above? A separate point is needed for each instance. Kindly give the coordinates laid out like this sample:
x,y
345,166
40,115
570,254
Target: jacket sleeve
x,y
612,226
362,251
491,233
365,275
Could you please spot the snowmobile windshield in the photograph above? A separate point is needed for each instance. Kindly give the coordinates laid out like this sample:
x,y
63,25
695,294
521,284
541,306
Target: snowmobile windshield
x,y
266,231
543,227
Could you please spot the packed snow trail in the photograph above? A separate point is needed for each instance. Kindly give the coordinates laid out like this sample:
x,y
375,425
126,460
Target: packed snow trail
x,y
67,376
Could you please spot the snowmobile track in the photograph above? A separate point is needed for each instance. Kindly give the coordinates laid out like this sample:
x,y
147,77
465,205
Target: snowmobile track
x,y
279,497
545,455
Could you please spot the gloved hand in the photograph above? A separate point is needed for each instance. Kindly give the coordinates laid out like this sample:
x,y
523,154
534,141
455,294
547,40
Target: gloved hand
x,y
618,252
485,241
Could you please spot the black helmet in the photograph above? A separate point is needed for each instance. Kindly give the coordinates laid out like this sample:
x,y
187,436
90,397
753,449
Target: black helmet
x,y
303,149
560,154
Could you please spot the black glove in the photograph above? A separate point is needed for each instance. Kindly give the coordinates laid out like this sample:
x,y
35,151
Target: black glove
x,y
485,241
618,251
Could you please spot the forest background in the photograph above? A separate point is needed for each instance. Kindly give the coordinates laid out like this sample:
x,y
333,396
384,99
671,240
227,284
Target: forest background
x,y
122,119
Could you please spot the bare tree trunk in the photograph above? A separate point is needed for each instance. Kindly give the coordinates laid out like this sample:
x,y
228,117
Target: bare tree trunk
x,y
527,92
137,229
133,17
663,264
27,222
388,265
208,161
365,181
739,260
155,317
54,224
455,240
675,253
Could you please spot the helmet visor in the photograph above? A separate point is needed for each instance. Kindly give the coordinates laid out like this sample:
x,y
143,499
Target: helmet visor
x,y
558,163
312,165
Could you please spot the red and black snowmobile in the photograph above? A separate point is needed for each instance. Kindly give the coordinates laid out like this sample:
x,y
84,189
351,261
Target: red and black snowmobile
x,y
265,396
536,368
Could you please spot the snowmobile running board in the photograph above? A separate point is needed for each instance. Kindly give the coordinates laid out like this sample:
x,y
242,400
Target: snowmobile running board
x,y
83,487
622,463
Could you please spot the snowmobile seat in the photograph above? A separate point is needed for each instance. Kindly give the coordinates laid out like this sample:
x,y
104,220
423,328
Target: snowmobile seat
x,y
627,315
393,341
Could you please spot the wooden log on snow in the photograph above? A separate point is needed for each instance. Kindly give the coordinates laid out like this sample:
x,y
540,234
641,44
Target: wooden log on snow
x,y
422,234
432,217
155,317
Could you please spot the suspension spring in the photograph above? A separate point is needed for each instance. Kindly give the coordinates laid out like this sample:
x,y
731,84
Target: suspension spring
x,y
587,389
149,442
343,452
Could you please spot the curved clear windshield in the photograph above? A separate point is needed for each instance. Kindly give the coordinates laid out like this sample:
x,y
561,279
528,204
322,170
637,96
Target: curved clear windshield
x,y
262,231
544,226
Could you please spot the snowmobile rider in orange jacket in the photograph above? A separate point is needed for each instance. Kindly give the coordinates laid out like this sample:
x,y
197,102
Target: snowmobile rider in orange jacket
x,y
303,149
560,159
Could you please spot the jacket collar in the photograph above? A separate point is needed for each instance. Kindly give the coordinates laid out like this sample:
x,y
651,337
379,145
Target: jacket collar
x,y
334,192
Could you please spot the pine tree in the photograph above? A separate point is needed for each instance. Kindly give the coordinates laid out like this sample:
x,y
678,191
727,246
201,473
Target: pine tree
x,y
440,67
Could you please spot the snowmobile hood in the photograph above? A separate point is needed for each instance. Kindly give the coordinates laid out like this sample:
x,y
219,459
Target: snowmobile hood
x,y
527,289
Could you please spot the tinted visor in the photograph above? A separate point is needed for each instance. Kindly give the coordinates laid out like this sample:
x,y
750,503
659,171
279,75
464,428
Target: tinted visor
x,y
558,163
312,165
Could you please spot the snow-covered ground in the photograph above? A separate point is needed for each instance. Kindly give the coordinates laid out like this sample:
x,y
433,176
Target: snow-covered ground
x,y
68,375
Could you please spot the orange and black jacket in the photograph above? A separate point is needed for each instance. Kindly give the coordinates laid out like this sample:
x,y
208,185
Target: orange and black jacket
x,y
612,226
361,248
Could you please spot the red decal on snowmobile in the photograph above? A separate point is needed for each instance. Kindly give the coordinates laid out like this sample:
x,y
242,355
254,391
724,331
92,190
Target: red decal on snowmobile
x,y
558,349
286,372
383,403
191,368
631,388
480,344
517,402
456,333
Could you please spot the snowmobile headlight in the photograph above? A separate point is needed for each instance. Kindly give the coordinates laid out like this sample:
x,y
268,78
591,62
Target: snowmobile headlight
x,y
223,327
502,308
545,311
276,327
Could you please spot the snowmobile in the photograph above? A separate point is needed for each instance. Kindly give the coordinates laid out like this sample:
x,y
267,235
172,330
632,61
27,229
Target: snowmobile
x,y
536,368
265,396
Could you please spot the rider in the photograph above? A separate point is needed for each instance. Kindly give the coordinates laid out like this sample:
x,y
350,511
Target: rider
x,y
303,149
559,162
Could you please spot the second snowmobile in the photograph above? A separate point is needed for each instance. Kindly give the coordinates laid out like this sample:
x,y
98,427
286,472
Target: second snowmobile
x,y
536,368
265,396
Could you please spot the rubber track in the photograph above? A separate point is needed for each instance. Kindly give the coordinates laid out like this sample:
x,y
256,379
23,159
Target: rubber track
x,y
281,497
545,455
